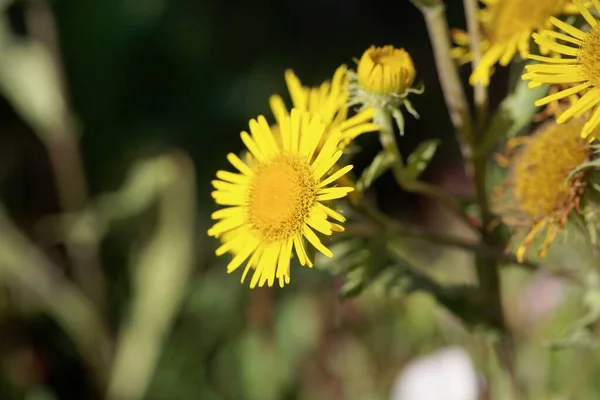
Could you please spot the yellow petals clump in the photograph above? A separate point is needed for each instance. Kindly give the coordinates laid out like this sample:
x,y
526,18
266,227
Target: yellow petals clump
x,y
386,70
540,193
275,203
507,26
330,101
577,66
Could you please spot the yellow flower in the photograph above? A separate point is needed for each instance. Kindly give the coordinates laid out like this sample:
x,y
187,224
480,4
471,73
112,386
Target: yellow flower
x,y
578,65
385,70
507,26
330,100
538,195
383,80
277,201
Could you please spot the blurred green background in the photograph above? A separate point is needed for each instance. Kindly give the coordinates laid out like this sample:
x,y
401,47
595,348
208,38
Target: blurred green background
x,y
144,77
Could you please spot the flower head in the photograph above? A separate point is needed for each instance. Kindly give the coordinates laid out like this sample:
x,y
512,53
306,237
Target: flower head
x,y
330,101
277,201
385,70
507,26
383,80
539,194
578,65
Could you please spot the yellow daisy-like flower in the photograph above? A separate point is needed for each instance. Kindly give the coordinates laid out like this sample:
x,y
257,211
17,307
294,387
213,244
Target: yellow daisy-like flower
x,y
383,80
538,195
580,57
330,100
507,26
277,201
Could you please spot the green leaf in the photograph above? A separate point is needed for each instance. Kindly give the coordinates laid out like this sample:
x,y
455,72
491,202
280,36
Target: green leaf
x,y
381,163
514,114
420,158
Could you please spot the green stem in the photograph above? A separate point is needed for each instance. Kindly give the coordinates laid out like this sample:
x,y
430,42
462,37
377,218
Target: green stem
x,y
388,141
480,91
487,266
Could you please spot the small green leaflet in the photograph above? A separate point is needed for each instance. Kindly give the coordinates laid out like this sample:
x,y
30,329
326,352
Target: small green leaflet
x,y
420,158
381,163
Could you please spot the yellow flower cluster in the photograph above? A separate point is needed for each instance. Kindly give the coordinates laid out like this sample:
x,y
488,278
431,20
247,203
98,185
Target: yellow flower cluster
x,y
276,201
541,191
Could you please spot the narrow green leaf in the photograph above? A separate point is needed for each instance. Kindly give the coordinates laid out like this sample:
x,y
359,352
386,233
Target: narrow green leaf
x,y
381,163
420,158
514,114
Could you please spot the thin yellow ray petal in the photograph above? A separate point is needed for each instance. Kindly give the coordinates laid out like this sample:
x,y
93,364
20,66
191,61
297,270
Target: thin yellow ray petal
x,y
587,102
559,48
239,258
509,52
232,177
311,136
331,213
267,266
590,129
315,241
297,92
337,228
295,123
320,225
261,137
227,212
551,60
283,264
277,107
334,193
527,241
360,118
584,103
228,199
300,252
570,29
226,186
239,164
562,94
355,131
226,225
336,175
252,146
559,78
550,69
585,13
562,36
523,44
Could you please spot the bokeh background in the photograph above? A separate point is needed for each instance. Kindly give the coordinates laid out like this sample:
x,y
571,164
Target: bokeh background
x,y
144,78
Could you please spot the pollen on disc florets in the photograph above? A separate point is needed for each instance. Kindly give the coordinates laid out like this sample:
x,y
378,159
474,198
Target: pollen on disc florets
x,y
280,198
589,56
541,169
540,193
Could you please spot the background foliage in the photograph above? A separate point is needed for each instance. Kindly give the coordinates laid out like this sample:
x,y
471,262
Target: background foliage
x,y
148,79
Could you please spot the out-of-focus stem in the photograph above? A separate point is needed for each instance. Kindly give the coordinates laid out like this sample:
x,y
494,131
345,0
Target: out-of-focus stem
x,y
480,91
487,267
454,95
25,265
63,150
